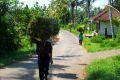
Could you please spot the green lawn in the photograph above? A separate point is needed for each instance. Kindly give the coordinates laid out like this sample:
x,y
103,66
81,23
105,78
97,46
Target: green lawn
x,y
105,69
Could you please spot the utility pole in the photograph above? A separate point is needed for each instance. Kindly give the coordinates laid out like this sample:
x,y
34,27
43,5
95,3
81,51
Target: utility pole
x,y
110,18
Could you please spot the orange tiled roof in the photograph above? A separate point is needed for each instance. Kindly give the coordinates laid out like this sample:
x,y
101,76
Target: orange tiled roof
x,y
104,15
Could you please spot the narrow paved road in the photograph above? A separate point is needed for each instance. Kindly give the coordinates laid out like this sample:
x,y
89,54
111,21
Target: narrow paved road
x,y
70,60
67,58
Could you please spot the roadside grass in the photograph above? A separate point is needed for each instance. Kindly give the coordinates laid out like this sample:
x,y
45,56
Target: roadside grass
x,y
16,56
95,47
106,44
75,32
98,43
90,46
104,69
25,52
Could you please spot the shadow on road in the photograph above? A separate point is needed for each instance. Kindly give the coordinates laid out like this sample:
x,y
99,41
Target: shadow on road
x,y
27,64
25,70
67,56
58,59
83,64
57,67
66,75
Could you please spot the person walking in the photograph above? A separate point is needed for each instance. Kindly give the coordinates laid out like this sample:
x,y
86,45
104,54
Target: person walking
x,y
44,52
80,38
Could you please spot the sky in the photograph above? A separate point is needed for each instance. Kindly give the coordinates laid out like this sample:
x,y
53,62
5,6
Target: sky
x,y
31,2
98,3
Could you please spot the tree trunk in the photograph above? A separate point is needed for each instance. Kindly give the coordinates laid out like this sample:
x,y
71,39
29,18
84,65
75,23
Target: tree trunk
x,y
76,12
110,18
88,13
72,13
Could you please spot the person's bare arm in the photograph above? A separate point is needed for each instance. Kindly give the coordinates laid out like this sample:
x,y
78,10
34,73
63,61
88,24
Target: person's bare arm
x,y
51,61
50,53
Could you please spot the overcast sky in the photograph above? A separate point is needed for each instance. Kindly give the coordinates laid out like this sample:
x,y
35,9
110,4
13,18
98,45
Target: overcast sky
x,y
98,3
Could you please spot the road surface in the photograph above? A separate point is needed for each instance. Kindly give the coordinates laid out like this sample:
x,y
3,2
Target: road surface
x,y
69,62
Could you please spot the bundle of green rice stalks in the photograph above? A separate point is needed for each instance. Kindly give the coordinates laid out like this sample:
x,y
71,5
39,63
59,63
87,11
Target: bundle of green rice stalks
x,y
43,28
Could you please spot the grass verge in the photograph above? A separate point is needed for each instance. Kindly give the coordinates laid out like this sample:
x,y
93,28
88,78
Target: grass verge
x,y
16,56
105,69
102,45
95,47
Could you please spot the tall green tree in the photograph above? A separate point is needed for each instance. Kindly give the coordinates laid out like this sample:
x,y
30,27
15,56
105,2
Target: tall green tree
x,y
58,9
116,4
96,10
7,32
88,4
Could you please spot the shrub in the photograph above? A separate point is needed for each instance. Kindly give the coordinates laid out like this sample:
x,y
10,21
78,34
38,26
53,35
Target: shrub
x,y
109,43
97,39
104,43
112,43
69,26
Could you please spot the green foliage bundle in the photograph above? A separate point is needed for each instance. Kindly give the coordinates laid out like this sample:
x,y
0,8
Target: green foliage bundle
x,y
97,39
43,28
80,27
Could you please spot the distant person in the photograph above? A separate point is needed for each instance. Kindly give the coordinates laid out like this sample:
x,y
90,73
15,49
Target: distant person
x,y
80,38
44,52
94,33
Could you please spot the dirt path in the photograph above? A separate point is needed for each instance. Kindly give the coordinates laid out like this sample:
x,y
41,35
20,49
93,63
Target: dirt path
x,y
70,60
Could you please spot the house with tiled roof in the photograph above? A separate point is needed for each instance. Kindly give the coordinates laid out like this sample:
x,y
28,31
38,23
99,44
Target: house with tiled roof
x,y
103,23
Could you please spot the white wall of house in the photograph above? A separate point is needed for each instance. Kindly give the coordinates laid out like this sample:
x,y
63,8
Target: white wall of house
x,y
104,25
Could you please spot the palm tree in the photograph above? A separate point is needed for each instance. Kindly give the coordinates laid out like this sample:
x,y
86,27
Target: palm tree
x,y
116,4
74,4
72,12
88,5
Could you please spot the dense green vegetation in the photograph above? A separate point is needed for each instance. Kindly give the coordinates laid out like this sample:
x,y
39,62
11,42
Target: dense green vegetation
x,y
15,17
100,43
14,43
15,56
105,69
